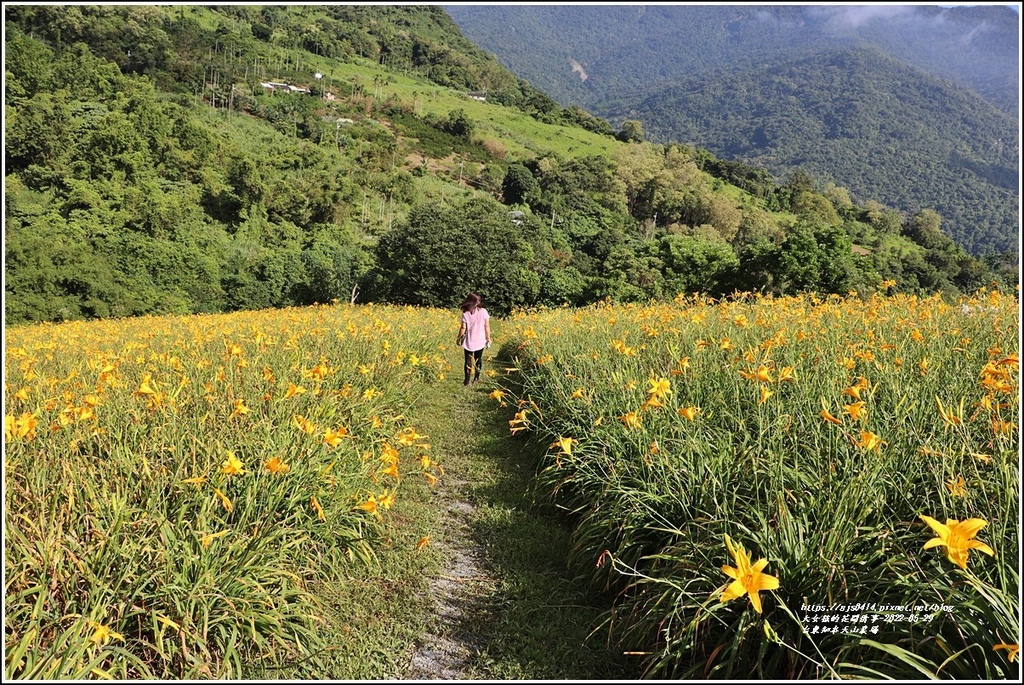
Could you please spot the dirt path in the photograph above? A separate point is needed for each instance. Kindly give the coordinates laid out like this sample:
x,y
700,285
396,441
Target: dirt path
x,y
448,649
504,604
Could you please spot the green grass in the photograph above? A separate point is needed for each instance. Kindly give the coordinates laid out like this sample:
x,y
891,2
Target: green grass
x,y
538,622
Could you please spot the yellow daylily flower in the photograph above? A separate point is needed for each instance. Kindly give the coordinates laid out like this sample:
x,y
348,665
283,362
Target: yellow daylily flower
x,y
207,539
631,419
869,441
748,578
101,633
315,504
232,465
660,388
388,454
855,410
565,444
408,437
683,365
225,502
145,387
22,427
1011,650
958,487
304,424
387,499
688,413
651,402
370,505
1000,427
333,438
276,466
239,409
825,415
519,422
958,538
853,391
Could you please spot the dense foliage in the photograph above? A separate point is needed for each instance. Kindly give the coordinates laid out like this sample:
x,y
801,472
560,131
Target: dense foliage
x,y
148,171
911,106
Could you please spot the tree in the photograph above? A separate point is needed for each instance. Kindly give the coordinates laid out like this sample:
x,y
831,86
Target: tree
x,y
28,66
808,259
331,270
632,131
815,209
692,264
925,229
439,254
458,124
519,186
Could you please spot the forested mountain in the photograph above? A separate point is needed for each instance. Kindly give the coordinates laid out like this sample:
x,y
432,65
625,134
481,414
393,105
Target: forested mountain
x,y
189,158
911,106
863,120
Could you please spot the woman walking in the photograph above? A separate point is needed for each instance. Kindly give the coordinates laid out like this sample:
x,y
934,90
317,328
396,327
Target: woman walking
x,y
474,336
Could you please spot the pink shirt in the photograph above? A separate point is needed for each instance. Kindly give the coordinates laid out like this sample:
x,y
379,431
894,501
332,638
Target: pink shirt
x,y
476,335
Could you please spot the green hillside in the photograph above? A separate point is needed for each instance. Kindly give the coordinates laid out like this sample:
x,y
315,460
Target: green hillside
x,y
152,166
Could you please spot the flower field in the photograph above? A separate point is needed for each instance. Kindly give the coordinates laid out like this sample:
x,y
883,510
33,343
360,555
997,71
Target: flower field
x,y
174,485
787,487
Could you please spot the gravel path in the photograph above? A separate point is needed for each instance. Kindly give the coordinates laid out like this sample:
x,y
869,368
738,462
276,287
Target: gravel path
x,y
449,648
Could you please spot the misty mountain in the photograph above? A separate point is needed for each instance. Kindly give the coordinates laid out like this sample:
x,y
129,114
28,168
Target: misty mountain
x,y
922,111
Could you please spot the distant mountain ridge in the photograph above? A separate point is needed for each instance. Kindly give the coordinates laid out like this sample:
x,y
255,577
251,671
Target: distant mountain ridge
x,y
966,170
974,46
933,91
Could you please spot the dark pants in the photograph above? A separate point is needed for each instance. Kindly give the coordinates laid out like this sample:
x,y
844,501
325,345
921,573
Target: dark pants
x,y
474,362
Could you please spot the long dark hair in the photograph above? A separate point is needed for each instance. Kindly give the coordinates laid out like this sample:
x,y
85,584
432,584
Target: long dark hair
x,y
471,303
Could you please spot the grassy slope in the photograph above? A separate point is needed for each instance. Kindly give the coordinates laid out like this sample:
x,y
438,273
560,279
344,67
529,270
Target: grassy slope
x,y
522,135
